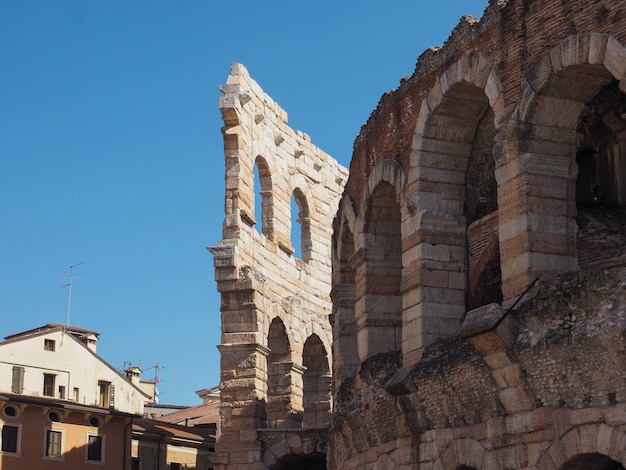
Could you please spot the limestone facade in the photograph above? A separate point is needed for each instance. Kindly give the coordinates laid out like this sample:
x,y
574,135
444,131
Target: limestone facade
x,y
479,275
475,314
276,345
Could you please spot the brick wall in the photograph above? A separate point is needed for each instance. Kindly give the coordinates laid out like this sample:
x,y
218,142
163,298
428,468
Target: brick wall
x,y
512,34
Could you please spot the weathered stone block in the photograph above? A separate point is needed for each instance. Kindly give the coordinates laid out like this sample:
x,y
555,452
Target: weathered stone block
x,y
489,329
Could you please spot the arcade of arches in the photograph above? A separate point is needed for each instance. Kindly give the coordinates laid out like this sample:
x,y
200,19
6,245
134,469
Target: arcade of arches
x,y
459,300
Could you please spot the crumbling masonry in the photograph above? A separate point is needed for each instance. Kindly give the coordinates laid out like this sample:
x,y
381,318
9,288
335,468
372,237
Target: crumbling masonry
x,y
478,264
276,334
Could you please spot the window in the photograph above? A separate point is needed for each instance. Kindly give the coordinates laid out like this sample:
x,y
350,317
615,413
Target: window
x,y
48,385
76,394
11,411
54,443
62,392
104,400
95,421
135,463
95,447
300,226
48,345
10,440
17,381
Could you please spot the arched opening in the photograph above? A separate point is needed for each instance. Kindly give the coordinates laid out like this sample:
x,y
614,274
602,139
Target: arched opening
x,y
315,461
300,226
570,129
380,328
591,461
316,382
601,179
279,366
459,200
263,211
343,296
480,210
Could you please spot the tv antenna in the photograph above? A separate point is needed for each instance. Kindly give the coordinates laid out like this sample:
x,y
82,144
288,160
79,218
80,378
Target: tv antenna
x,y
71,276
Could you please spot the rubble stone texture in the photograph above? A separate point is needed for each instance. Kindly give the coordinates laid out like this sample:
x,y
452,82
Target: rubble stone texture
x,y
496,173
478,261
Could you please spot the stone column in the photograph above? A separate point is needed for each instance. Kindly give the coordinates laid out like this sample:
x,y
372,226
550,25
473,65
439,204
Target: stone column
x,y
537,210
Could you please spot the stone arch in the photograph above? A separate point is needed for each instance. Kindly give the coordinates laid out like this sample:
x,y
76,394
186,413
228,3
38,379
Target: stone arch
x,y
299,182
346,220
316,329
466,453
378,262
553,99
297,451
316,382
279,405
304,202
472,69
265,174
334,205
343,296
600,439
315,461
481,277
591,461
387,170
450,122
301,226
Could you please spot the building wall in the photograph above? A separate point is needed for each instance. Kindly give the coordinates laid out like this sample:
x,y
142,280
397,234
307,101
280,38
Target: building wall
x,y
157,452
34,421
479,172
73,365
275,302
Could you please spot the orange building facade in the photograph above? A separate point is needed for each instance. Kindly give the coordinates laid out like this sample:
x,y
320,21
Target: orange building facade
x,y
42,433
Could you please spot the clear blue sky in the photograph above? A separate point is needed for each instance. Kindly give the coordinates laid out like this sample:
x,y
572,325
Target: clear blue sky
x,y
111,151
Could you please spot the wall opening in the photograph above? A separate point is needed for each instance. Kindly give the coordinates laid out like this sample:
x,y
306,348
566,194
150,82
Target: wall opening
x,y
457,189
279,365
383,257
592,461
315,461
601,179
263,204
300,226
343,296
480,210
316,383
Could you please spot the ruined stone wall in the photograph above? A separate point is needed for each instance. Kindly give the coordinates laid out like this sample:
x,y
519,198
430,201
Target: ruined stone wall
x,y
431,370
276,335
512,34
558,391
424,135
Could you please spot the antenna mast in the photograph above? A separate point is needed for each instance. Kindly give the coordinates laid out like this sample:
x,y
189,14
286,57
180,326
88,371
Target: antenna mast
x,y
71,277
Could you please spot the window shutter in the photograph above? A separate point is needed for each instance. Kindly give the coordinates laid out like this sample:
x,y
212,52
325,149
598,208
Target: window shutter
x,y
112,397
17,383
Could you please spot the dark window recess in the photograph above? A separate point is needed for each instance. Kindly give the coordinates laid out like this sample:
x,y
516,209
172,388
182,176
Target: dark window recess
x,y
48,385
94,448
9,438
